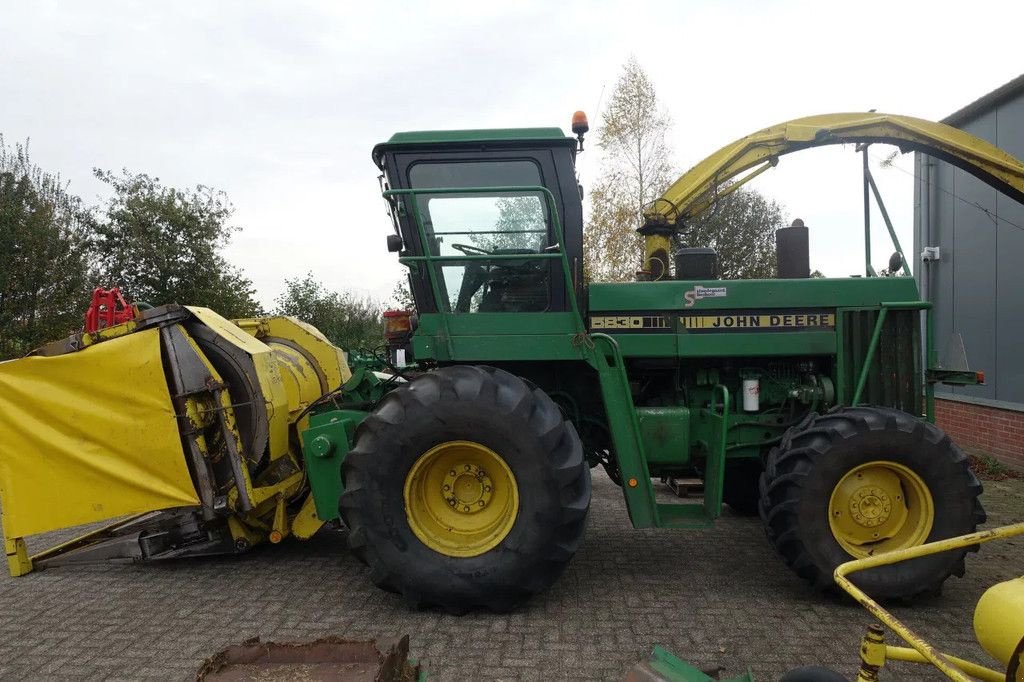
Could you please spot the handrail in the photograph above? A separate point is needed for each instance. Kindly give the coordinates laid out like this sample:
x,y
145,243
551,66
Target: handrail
x,y
497,256
725,402
624,427
430,258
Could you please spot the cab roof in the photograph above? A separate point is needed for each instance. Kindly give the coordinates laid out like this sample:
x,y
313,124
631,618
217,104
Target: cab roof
x,y
455,138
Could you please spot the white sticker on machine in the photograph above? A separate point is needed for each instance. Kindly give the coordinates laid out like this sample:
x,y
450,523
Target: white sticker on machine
x,y
698,292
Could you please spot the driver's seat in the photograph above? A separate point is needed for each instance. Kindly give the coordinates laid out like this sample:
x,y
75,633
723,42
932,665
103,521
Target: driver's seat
x,y
516,285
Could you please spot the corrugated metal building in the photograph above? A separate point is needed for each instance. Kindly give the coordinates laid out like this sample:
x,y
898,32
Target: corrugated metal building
x,y
969,241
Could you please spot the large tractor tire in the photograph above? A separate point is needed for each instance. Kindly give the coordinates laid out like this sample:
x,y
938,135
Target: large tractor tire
x,y
466,488
862,480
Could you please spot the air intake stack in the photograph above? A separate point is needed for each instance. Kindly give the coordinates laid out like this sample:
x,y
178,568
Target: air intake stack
x,y
793,251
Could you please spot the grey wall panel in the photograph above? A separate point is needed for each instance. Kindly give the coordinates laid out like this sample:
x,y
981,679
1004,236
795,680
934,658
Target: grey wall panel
x,y
1009,369
943,236
978,287
974,277
974,293
1010,125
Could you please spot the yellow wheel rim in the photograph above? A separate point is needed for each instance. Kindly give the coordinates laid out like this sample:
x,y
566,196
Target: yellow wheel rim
x,y
461,499
880,507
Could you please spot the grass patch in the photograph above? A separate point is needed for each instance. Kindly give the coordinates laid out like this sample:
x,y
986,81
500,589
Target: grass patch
x,y
987,467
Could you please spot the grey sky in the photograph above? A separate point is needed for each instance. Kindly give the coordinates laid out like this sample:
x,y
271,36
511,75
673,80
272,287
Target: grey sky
x,y
279,104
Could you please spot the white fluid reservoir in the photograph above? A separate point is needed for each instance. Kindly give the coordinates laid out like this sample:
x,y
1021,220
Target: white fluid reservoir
x,y
751,395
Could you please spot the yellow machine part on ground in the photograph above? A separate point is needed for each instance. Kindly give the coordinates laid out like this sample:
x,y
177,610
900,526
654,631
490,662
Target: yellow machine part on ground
x,y
70,429
999,620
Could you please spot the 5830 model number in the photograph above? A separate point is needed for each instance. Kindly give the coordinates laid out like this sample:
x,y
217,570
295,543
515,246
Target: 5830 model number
x,y
801,319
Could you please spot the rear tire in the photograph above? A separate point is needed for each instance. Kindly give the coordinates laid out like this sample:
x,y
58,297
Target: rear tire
x,y
814,463
389,500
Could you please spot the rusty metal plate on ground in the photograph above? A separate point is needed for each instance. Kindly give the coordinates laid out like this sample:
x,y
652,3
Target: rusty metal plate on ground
x,y
329,659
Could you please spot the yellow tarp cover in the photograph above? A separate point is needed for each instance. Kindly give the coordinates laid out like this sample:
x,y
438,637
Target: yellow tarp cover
x,y
89,436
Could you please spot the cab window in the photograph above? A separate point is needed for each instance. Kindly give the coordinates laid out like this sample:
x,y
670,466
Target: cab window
x,y
486,224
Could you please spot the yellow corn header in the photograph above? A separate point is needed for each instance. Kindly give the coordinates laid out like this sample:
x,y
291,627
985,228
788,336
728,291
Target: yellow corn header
x,y
181,425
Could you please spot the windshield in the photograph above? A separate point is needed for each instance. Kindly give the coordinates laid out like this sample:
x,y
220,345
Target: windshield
x,y
481,224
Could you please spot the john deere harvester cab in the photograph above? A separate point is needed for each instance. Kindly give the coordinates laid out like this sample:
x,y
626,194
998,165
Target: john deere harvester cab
x,y
488,204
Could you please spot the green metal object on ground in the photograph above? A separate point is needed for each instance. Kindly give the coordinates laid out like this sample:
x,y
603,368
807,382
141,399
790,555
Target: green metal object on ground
x,y
665,667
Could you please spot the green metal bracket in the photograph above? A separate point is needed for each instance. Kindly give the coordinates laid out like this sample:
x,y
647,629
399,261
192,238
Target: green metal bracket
x,y
869,184
324,446
954,377
624,427
888,224
666,667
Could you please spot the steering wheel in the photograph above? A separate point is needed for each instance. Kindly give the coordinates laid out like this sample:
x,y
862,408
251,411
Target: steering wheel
x,y
468,249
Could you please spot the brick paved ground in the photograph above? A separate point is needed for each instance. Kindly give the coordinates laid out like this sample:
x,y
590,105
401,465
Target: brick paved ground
x,y
717,598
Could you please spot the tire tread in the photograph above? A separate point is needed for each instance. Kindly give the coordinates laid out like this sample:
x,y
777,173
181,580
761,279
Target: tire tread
x,y
801,449
515,398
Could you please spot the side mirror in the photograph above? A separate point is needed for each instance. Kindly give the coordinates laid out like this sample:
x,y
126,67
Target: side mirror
x,y
895,263
395,243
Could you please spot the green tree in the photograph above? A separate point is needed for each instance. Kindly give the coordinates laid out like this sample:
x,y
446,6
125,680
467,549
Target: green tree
x,y
636,169
350,322
44,271
741,227
164,245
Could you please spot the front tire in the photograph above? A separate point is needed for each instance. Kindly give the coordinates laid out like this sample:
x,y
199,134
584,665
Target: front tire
x,y
466,488
859,481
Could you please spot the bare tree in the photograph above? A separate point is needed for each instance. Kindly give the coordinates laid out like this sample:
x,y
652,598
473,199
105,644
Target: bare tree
x,y
636,169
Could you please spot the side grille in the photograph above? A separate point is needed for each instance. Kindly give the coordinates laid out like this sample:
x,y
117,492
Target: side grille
x,y
894,379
